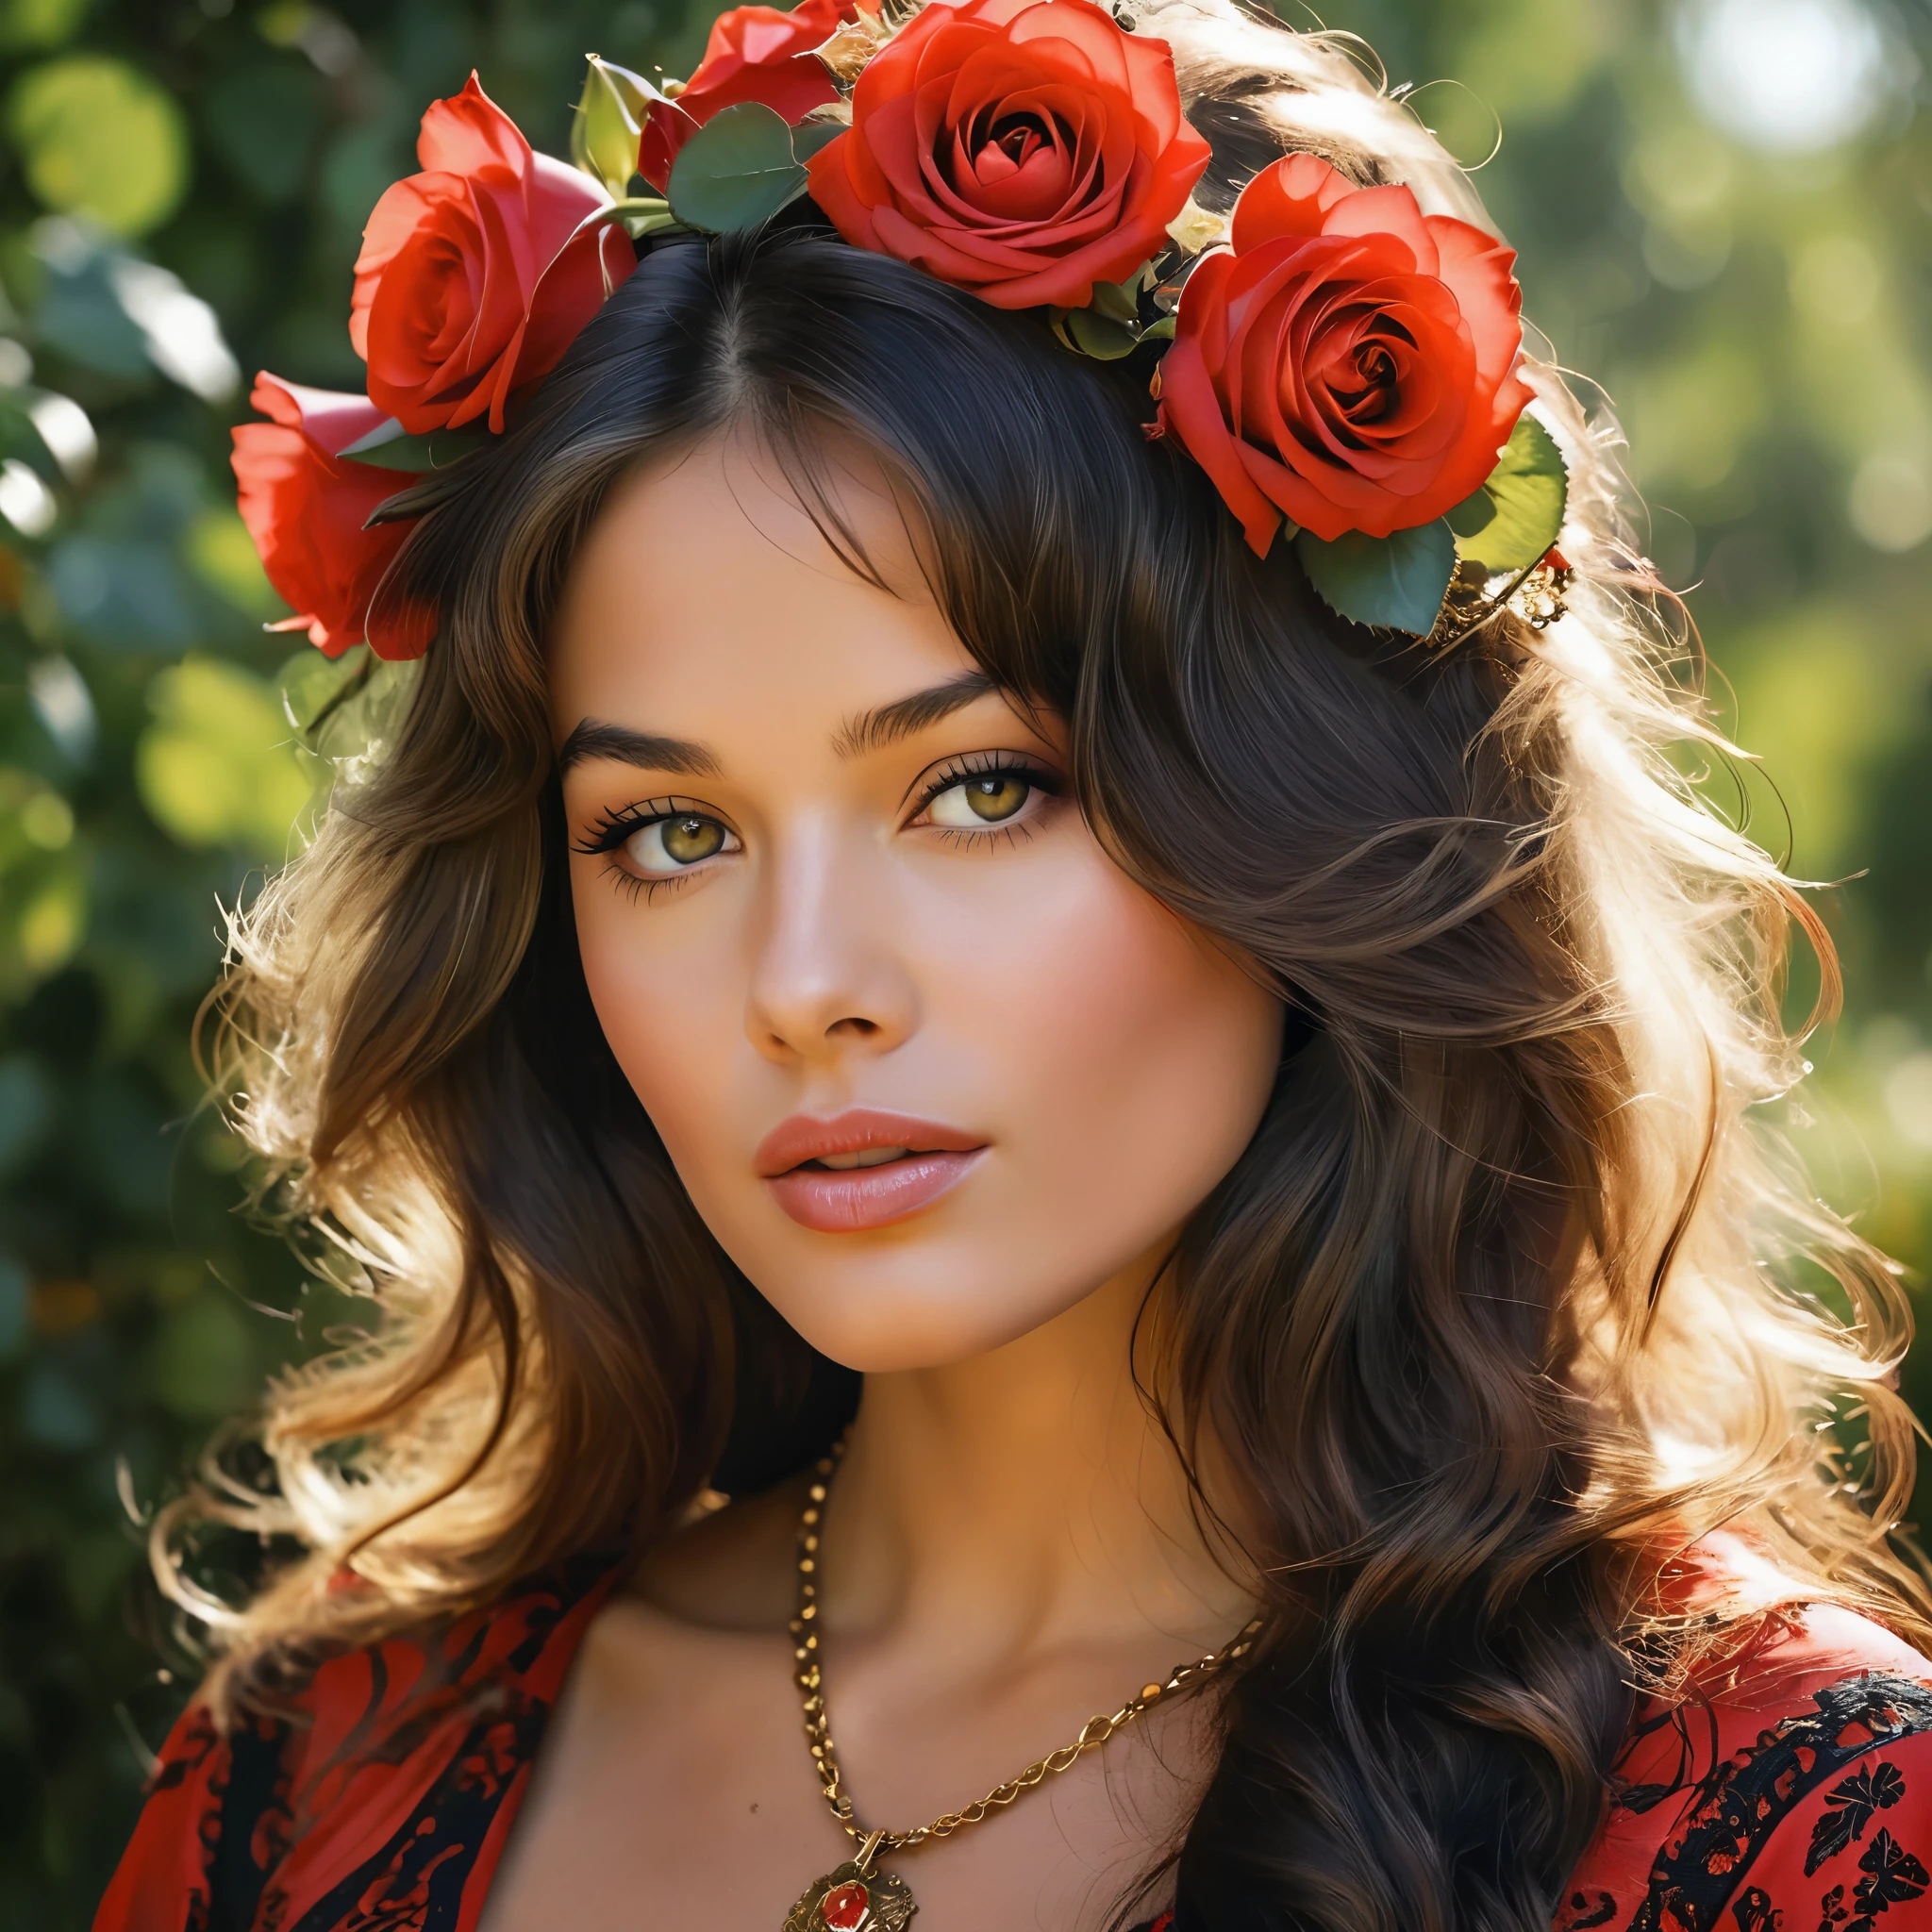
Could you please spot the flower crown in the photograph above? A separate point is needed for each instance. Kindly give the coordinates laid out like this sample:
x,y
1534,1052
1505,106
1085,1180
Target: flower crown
x,y
1345,368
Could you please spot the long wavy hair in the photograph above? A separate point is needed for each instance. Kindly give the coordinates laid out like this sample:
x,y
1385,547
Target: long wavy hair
x,y
1514,1292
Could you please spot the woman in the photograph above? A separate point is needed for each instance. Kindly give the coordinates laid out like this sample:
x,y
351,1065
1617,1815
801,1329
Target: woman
x,y
1018,1003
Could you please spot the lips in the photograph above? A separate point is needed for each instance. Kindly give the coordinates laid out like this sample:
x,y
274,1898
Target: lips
x,y
863,1168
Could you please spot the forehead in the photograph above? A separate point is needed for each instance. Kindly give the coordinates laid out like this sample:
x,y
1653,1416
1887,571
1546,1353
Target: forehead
x,y
707,601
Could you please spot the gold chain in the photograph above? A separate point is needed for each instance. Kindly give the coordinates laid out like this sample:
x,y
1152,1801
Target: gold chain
x,y
1093,1733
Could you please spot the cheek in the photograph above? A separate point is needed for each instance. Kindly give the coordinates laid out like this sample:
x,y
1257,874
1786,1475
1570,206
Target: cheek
x,y
669,1002
1116,1062
1146,1057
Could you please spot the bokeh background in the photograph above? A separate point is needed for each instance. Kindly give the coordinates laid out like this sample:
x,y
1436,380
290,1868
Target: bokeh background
x,y
1724,211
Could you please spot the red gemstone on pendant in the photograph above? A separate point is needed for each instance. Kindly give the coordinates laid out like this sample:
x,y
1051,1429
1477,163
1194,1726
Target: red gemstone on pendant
x,y
845,1907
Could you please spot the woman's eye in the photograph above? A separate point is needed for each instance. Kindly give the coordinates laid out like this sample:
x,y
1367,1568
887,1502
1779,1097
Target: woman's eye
x,y
672,844
988,800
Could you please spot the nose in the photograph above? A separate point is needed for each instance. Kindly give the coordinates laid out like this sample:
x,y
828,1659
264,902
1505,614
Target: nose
x,y
825,983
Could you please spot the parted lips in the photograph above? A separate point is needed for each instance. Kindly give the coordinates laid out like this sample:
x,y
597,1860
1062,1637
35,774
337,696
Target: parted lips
x,y
1351,364
1024,149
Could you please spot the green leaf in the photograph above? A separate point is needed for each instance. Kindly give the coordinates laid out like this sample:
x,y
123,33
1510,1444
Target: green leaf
x,y
1393,583
610,120
1109,326
386,448
346,709
1509,523
738,170
1101,336
312,686
354,736
809,136
1120,301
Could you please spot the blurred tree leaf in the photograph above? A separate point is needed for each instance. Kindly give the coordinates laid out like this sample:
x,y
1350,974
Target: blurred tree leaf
x,y
13,1303
217,766
101,139
26,23
26,1108
263,120
80,311
125,595
202,1366
221,553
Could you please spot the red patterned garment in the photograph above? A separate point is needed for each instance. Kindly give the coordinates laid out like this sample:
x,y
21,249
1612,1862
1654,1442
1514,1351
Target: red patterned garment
x,y
1794,1796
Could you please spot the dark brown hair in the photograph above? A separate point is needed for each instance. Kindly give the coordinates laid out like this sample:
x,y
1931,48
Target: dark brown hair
x,y
1504,1302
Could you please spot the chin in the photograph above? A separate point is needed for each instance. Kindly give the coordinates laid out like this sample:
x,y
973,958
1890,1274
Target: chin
x,y
895,1334
898,1299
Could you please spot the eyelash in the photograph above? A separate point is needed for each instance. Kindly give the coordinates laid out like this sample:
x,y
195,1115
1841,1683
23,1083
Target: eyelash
x,y
613,829
986,764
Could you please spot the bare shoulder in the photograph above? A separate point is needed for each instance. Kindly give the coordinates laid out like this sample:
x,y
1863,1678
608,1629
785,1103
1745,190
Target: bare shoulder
x,y
728,1570
710,1602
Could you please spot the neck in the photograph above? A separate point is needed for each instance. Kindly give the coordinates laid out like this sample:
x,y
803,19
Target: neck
x,y
1026,1496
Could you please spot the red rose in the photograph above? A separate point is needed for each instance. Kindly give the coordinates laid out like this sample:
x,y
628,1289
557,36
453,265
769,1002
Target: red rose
x,y
305,507
475,274
1024,149
755,54
1352,361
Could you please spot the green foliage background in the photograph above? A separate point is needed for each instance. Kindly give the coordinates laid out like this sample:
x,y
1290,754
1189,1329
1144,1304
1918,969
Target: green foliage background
x,y
1759,319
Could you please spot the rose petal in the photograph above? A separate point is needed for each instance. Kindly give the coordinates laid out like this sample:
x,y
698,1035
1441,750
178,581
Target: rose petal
x,y
1289,198
470,131
329,420
1393,217
1024,149
1359,355
451,264
306,512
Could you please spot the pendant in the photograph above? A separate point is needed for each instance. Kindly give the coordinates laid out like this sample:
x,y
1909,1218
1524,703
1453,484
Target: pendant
x,y
851,1899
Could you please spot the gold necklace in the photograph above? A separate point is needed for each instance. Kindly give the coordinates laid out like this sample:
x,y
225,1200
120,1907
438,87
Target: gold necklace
x,y
856,1896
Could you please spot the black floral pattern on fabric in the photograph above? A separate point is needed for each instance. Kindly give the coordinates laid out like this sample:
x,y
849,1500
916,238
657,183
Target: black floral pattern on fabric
x,y
415,1874
382,1800
415,1881
1853,1803
1745,1800
1893,1875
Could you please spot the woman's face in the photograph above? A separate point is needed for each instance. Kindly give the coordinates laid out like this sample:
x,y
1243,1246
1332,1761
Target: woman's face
x,y
930,1065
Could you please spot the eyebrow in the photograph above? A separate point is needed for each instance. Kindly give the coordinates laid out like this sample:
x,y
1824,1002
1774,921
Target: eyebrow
x,y
870,731
593,738
903,717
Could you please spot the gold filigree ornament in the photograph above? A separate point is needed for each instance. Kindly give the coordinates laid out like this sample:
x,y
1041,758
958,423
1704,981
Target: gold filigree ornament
x,y
857,1896
1542,596
854,1897
1476,599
